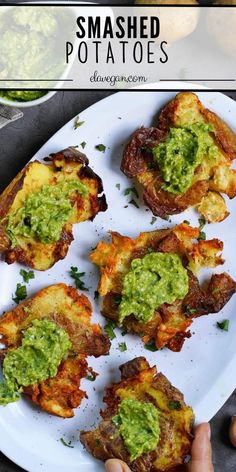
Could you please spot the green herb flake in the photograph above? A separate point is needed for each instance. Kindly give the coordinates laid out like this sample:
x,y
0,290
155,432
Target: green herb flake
x,y
202,236
78,123
131,190
66,444
83,144
122,347
166,218
109,329
224,325
118,186
202,223
100,147
77,278
186,222
153,220
124,332
174,405
96,295
188,311
134,203
116,298
98,442
20,293
91,378
151,346
27,276
216,290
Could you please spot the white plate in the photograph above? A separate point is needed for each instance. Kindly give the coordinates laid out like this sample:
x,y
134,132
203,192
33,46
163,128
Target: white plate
x,y
205,368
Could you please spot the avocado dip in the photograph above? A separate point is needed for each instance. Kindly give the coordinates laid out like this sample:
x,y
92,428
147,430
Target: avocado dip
x,y
181,153
156,279
22,95
138,424
44,212
44,345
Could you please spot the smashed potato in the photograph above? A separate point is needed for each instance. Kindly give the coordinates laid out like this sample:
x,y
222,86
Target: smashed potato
x,y
141,382
69,166
63,305
170,322
212,173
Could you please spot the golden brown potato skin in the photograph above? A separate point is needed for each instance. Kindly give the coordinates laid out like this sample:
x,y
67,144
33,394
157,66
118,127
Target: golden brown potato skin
x,y
72,312
138,162
170,323
69,163
146,385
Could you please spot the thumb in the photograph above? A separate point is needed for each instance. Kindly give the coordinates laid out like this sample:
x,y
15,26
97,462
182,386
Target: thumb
x,y
201,450
115,465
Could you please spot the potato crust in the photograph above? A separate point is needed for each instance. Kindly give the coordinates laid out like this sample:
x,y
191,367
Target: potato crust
x,y
212,174
144,383
72,312
69,164
170,323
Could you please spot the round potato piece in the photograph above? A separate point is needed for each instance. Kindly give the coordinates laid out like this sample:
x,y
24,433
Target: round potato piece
x,y
176,24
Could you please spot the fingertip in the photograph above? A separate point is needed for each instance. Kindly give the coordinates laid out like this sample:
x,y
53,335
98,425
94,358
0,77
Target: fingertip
x,y
115,465
203,429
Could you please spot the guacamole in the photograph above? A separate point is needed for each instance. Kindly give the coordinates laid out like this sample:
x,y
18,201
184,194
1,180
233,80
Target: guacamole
x,y
22,95
43,347
157,278
44,212
181,153
139,427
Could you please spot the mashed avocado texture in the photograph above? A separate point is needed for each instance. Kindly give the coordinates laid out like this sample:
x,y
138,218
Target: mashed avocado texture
x,y
181,153
44,212
43,347
22,95
157,278
139,427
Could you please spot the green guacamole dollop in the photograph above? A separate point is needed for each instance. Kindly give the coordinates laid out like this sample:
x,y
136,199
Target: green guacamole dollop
x,y
44,212
181,153
157,278
22,95
139,427
44,345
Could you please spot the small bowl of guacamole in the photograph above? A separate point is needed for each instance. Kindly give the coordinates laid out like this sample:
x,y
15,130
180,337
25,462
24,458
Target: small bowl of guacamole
x,y
24,98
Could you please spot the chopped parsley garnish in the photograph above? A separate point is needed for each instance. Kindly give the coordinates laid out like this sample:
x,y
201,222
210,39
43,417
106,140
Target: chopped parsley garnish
x,y
100,147
118,186
122,347
216,290
224,325
131,190
202,223
134,203
202,236
109,329
166,218
151,346
83,144
66,444
96,295
91,378
77,278
116,298
98,442
27,276
20,293
174,405
186,222
78,123
153,220
124,332
188,311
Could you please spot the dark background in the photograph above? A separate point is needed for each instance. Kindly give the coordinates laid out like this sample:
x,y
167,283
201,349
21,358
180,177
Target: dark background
x,y
18,143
